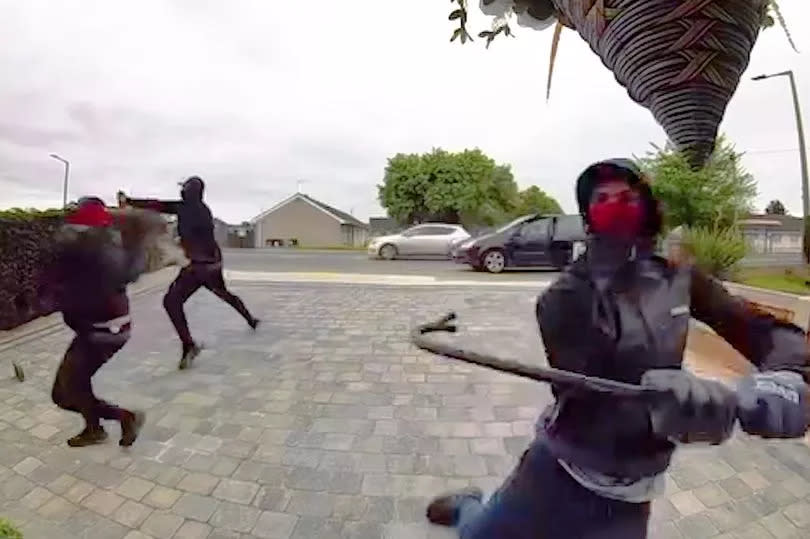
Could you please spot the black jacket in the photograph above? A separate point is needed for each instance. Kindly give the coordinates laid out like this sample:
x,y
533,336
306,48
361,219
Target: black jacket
x,y
195,224
90,275
636,321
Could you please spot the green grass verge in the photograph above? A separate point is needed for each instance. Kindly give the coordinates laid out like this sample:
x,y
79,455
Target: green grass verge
x,y
792,281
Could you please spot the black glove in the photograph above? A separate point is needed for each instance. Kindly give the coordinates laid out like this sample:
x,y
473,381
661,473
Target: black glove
x,y
772,404
690,409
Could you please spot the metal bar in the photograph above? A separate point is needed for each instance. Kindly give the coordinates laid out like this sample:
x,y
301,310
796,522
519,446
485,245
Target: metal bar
x,y
532,372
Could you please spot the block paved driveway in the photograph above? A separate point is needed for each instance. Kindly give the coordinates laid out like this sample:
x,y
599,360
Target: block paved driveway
x,y
326,423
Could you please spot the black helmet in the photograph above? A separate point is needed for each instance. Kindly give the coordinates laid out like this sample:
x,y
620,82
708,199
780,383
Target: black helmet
x,y
192,189
627,170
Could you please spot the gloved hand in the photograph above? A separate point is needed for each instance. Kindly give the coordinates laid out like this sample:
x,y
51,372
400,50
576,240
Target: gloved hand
x,y
772,404
690,409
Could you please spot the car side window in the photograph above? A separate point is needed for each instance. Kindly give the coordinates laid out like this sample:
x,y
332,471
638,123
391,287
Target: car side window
x,y
415,231
536,230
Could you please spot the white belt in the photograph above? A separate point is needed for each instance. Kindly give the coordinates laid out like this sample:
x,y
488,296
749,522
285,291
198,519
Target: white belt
x,y
114,326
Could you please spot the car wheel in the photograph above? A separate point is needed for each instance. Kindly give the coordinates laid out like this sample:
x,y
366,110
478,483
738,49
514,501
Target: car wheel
x,y
388,252
494,261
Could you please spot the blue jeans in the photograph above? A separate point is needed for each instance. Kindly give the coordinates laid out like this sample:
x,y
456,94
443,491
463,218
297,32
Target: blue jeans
x,y
540,500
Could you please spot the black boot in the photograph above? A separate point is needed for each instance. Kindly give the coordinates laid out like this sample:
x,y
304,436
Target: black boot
x,y
89,436
131,424
190,351
443,510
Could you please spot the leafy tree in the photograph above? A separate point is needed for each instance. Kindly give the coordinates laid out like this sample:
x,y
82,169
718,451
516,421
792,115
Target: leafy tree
x,y
775,207
535,200
713,197
466,187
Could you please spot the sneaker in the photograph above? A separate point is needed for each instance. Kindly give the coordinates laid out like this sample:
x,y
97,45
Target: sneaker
x,y
89,436
131,425
189,353
444,509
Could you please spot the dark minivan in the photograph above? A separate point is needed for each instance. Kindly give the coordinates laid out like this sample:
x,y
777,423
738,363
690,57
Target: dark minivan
x,y
529,241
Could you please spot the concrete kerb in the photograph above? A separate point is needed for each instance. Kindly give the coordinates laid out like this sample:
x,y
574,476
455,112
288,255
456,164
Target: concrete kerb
x,y
47,325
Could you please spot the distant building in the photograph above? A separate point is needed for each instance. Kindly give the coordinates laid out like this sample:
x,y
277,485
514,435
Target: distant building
x,y
302,220
773,234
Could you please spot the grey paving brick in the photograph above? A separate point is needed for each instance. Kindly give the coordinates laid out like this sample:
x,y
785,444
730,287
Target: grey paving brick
x,y
195,507
161,497
198,483
162,525
57,509
731,516
711,495
735,487
132,514
316,528
236,491
780,526
306,503
799,514
271,525
103,502
135,488
193,530
235,517
697,527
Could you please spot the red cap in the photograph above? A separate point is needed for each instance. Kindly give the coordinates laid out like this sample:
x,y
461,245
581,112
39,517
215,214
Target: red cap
x,y
91,212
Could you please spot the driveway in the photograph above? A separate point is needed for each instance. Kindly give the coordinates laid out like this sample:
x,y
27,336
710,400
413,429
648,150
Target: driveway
x,y
326,423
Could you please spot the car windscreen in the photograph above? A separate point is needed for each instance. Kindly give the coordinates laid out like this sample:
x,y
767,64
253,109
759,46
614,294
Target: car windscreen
x,y
514,223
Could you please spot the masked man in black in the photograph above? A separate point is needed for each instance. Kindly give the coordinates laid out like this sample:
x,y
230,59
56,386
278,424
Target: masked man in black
x,y
622,313
88,281
195,225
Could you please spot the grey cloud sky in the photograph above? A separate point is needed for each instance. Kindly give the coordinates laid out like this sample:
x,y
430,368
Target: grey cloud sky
x,y
254,95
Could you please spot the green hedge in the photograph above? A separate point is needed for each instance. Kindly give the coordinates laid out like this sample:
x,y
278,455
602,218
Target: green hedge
x,y
26,248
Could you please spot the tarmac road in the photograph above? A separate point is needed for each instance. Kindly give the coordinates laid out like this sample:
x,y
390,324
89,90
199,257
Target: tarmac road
x,y
354,262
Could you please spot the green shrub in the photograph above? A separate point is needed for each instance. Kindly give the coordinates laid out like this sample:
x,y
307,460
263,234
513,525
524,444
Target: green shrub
x,y
26,249
8,531
715,251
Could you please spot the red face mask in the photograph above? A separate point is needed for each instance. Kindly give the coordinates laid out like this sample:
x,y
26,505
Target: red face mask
x,y
616,218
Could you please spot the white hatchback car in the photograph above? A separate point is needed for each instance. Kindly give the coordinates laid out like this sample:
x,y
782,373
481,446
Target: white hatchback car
x,y
427,240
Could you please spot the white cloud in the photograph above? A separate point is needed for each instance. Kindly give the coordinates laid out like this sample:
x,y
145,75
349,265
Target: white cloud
x,y
255,95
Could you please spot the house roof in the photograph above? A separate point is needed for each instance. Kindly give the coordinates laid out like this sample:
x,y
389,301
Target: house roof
x,y
786,223
341,216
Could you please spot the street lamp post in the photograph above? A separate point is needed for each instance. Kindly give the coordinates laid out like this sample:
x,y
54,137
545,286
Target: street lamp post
x,y
67,176
802,156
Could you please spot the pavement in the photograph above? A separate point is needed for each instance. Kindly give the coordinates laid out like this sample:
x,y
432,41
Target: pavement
x,y
327,423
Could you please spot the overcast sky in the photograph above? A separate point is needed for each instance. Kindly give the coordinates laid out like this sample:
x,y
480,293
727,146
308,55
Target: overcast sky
x,y
255,95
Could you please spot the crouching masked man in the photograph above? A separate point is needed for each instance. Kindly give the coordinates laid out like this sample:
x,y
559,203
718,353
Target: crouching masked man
x,y
89,280
622,313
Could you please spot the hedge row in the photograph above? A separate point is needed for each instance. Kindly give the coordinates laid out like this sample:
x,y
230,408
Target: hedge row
x,y
26,248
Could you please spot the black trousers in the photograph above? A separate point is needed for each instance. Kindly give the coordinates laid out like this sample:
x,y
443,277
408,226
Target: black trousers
x,y
73,387
540,500
190,279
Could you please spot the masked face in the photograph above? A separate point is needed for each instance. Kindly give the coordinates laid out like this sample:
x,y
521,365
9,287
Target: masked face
x,y
616,210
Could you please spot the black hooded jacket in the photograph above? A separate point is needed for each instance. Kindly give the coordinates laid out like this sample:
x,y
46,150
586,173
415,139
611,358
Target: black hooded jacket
x,y
195,224
620,311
